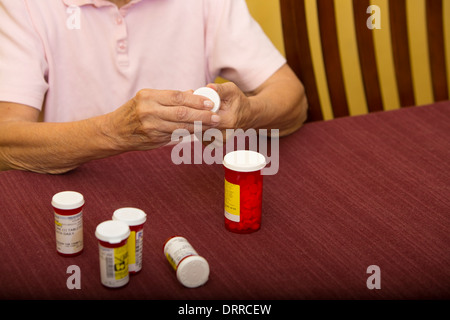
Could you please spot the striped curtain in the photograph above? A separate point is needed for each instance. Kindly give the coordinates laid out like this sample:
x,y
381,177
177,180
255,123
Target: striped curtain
x,y
360,56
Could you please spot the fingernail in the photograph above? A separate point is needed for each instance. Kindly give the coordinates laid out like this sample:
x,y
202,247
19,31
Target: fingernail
x,y
208,104
215,118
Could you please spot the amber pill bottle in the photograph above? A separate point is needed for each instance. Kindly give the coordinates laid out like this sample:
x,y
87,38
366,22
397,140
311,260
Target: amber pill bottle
x,y
243,190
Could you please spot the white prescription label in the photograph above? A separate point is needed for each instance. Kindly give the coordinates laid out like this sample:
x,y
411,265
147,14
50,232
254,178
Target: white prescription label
x,y
114,266
177,249
69,233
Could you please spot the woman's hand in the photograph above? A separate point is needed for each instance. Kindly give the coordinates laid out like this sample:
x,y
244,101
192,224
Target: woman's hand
x,y
148,120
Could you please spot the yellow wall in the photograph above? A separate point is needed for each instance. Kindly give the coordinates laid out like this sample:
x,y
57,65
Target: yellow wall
x,y
267,13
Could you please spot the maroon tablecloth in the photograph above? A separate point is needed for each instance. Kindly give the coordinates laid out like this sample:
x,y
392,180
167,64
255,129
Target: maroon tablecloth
x,y
350,193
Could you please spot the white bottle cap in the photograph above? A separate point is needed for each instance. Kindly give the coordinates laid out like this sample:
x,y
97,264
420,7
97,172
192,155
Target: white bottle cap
x,y
211,94
112,231
244,161
131,216
193,271
67,200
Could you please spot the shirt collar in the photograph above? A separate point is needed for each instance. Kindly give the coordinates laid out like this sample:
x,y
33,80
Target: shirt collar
x,y
97,3
77,3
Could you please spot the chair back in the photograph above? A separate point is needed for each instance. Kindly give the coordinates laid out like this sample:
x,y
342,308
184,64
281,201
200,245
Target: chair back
x,y
360,56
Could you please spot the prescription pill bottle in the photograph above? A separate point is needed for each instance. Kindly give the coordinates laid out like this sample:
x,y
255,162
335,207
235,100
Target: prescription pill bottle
x,y
243,190
192,270
135,219
113,253
68,211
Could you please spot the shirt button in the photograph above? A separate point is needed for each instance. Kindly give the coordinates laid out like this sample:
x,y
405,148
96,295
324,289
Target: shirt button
x,y
119,21
122,45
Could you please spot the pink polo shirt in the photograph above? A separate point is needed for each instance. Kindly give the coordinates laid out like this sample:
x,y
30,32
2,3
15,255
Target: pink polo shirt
x,y
82,58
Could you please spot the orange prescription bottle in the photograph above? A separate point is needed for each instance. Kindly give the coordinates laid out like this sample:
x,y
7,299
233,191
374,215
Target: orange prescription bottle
x,y
243,190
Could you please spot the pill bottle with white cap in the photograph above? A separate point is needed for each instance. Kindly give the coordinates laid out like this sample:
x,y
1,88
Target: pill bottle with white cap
x,y
243,190
135,219
68,211
192,270
113,253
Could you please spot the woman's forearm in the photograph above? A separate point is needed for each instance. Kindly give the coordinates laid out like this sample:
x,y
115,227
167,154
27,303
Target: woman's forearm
x,y
145,122
279,104
52,147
